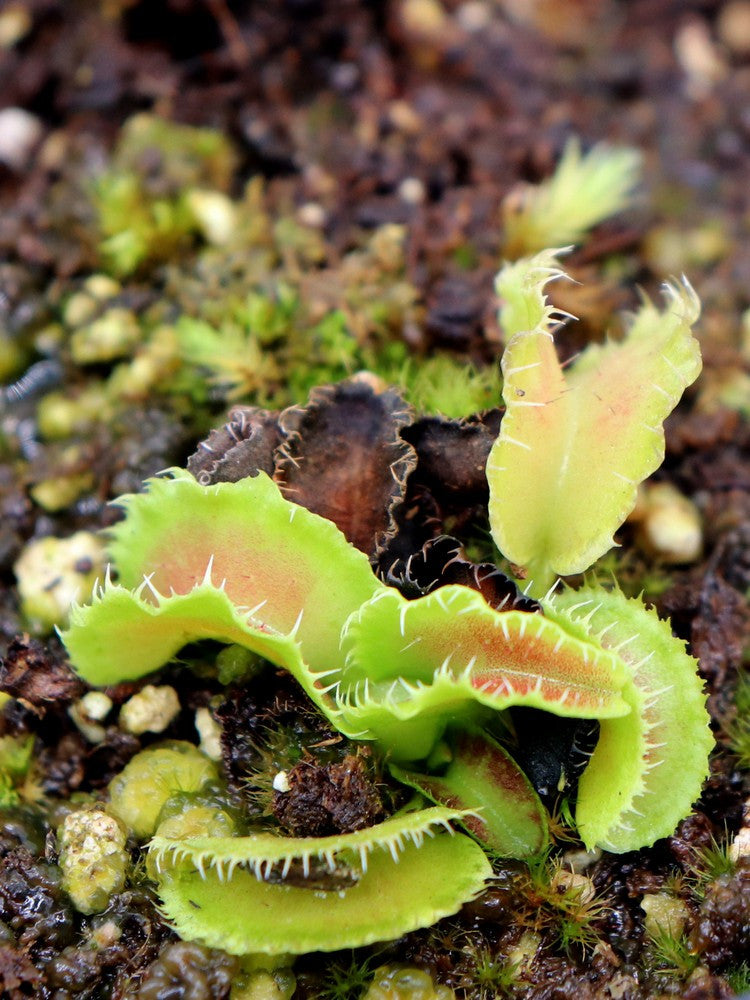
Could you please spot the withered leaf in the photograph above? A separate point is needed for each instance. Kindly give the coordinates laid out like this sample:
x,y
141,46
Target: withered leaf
x,y
242,447
453,455
344,458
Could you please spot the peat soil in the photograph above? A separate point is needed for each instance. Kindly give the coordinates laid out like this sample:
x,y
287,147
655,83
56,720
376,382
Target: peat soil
x,y
425,115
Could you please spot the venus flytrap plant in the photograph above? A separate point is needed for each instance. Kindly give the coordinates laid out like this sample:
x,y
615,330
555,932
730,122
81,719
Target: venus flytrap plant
x,y
414,666
426,678
381,883
656,756
278,563
395,671
563,475
510,820
355,659
574,444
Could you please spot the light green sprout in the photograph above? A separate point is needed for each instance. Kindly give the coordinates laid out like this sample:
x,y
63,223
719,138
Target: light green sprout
x,y
584,190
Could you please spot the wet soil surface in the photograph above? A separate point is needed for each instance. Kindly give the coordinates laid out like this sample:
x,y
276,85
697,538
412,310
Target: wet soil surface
x,y
357,117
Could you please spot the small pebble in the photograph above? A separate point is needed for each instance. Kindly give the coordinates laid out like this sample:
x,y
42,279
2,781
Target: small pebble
x,y
699,59
151,710
312,214
209,731
412,191
15,24
733,27
87,714
474,15
565,881
215,214
281,782
20,131
671,527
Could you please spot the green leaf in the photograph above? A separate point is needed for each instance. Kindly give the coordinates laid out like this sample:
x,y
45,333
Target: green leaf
x,y
507,816
648,766
286,567
575,444
444,656
121,636
403,875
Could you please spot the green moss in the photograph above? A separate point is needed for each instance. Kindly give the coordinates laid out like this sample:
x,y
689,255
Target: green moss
x,y
445,385
61,415
138,794
738,977
15,763
493,975
143,211
584,190
112,335
345,979
738,729
566,905
669,955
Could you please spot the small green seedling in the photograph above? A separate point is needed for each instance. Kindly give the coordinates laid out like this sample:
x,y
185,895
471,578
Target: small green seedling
x,y
584,190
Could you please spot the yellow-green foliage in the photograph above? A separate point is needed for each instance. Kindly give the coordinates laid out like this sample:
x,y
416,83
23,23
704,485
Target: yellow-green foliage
x,y
739,728
371,885
139,792
574,444
583,191
139,223
15,761
441,384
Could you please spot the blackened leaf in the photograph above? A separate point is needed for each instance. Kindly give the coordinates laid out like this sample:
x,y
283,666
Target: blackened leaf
x,y
242,447
344,458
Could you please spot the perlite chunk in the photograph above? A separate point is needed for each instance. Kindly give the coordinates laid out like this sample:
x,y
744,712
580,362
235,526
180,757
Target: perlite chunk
x,y
52,573
92,858
150,710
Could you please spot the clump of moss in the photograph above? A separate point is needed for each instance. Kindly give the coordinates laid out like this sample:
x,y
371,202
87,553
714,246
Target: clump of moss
x,y
585,189
566,906
139,792
15,764
739,727
142,201
444,385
